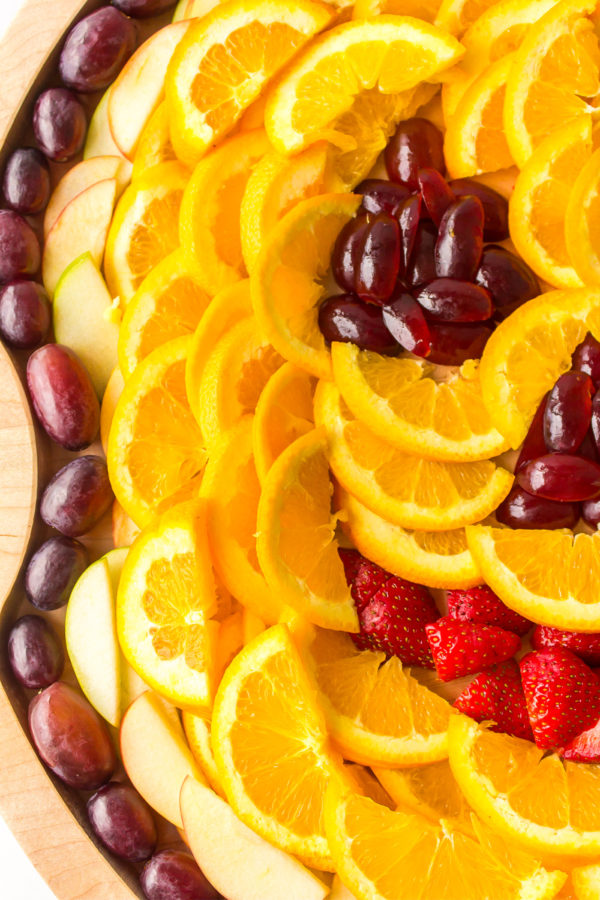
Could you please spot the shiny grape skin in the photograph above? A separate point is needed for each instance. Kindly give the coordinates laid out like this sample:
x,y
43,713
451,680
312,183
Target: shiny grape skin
x,y
586,358
19,247
508,278
590,513
35,654
71,738
173,875
379,263
381,196
417,144
26,183
448,300
568,412
452,343
63,396
77,496
409,215
436,194
347,250
123,821
52,571
560,476
405,321
59,124
421,265
522,510
347,319
495,206
96,49
534,444
24,314
143,9
459,244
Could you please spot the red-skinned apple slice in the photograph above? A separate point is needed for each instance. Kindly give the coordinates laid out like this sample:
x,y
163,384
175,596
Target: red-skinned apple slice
x,y
99,141
83,176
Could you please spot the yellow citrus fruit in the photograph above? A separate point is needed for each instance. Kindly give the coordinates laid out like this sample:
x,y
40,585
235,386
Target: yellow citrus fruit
x,y
284,412
429,790
401,401
197,731
296,541
438,559
155,451
110,398
376,712
124,530
455,16
226,59
542,803
554,72
154,146
167,607
581,220
586,882
539,202
376,849
551,576
367,9
528,351
410,491
231,489
234,375
169,303
271,747
210,211
145,228
287,279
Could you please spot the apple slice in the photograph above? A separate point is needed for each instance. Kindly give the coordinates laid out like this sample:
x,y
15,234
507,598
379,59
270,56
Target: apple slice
x,y
140,86
81,227
112,392
237,862
156,755
82,317
99,141
82,176
339,891
181,11
124,529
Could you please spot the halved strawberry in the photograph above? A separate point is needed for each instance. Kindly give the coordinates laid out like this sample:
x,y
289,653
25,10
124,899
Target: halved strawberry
x,y
460,648
497,696
585,747
585,646
481,606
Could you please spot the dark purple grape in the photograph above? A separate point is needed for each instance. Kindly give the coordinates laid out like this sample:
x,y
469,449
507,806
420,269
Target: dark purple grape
x,y
417,144
453,343
459,245
568,412
409,215
560,476
35,653
19,247
53,570
436,194
421,265
522,510
509,280
71,738
77,496
586,358
595,419
123,821
24,314
347,251
59,124
173,875
495,206
590,513
587,447
142,9
26,182
455,301
534,444
405,321
379,262
347,319
63,396
96,50
382,196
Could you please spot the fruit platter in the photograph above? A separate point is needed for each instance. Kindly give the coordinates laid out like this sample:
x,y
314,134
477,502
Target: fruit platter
x,y
300,448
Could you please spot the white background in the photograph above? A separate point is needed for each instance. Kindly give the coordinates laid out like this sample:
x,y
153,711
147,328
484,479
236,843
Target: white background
x,y
19,879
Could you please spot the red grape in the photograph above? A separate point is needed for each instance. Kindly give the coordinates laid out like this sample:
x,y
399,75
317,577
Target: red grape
x,y
35,653
347,250
96,50
142,9
78,496
508,278
63,396
522,510
421,265
381,196
560,476
534,444
409,215
123,821
568,412
587,447
586,358
455,301
590,513
53,570
26,182
495,206
459,245
346,318
71,738
59,124
19,247
435,192
24,314
172,875
452,343
417,144
379,262
404,320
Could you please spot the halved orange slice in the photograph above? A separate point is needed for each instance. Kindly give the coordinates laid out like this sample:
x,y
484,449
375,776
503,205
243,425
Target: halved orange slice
x,y
154,146
581,220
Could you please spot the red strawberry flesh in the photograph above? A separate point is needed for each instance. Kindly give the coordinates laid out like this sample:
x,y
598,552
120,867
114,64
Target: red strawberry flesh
x,y
497,696
480,605
461,648
585,646
585,747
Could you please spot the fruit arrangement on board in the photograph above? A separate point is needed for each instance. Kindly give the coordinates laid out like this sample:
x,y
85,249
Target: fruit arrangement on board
x,y
317,325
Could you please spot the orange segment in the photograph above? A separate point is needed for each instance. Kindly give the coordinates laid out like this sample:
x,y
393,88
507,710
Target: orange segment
x,y
154,146
456,15
367,9
429,790
197,732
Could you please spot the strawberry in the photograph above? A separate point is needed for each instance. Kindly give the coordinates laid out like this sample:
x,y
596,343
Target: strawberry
x,y
460,648
497,696
562,695
392,612
481,606
585,646
585,747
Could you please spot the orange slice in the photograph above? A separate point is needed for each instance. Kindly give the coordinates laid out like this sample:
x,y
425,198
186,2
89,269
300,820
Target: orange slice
x,y
154,146
581,221
110,398
367,9
456,15
431,791
197,732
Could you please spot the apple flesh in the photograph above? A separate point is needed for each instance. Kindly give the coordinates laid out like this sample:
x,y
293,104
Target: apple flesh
x,y
339,891
113,390
82,176
124,529
99,141
240,864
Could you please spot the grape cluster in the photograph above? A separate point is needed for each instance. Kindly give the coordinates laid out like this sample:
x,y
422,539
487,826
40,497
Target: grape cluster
x,y
416,272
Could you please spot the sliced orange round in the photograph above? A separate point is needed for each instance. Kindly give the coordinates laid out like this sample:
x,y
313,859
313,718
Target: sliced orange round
x,y
210,212
581,217
169,303
145,228
296,542
110,398
367,9
155,451
197,731
456,15
431,791
225,60
154,146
